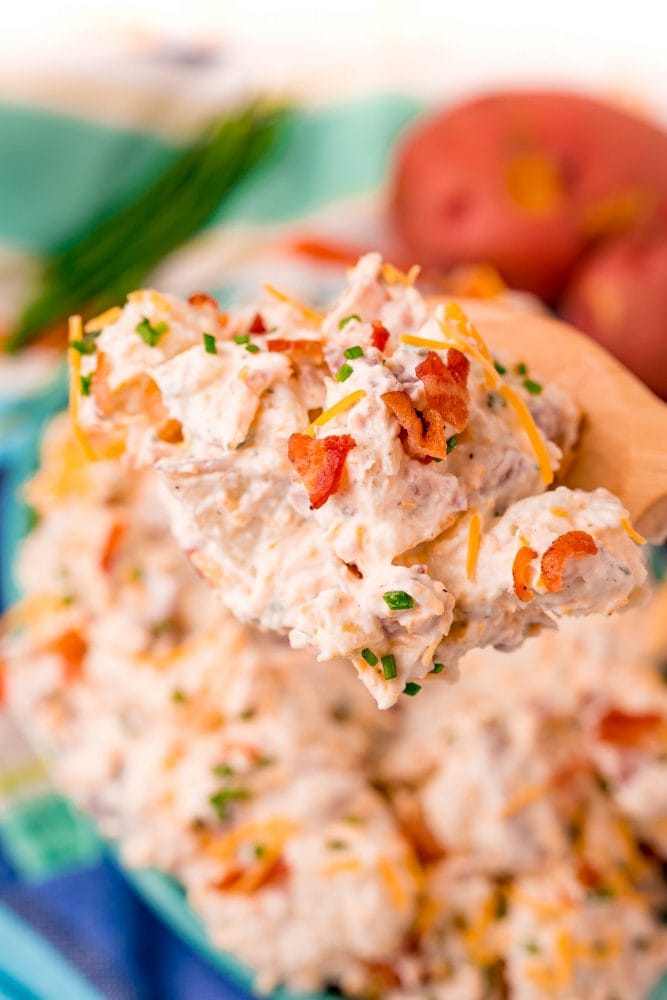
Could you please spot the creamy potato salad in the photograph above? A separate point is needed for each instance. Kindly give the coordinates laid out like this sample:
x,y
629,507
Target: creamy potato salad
x,y
498,838
370,481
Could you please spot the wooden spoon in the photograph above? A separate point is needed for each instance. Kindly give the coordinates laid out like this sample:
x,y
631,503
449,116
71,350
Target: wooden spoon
x,y
623,443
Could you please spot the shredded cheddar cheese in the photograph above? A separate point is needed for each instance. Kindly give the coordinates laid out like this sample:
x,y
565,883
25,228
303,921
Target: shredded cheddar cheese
x,y
474,539
340,407
457,341
528,424
634,535
559,512
340,867
395,887
454,312
310,314
103,319
394,276
525,797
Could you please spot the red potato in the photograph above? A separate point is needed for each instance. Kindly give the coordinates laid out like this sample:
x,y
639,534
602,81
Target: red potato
x,y
526,182
619,296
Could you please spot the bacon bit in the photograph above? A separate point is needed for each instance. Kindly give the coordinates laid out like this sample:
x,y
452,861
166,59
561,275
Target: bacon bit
x,y
446,386
311,350
628,729
170,431
319,463
72,648
203,299
571,545
382,978
413,824
588,875
257,325
422,433
521,571
380,335
111,546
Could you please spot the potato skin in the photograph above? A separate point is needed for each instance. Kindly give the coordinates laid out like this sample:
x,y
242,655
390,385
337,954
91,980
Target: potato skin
x,y
527,181
619,296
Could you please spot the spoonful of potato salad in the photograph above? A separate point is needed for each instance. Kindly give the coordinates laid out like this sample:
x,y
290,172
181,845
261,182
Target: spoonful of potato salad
x,y
383,481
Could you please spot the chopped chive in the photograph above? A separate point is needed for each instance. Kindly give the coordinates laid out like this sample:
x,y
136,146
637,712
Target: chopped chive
x,y
343,373
220,801
389,667
337,845
259,851
369,656
354,352
534,388
223,770
178,696
452,443
348,319
85,346
521,368
241,338
398,600
412,689
438,668
252,348
149,333
532,947
210,345
602,892
86,381
499,368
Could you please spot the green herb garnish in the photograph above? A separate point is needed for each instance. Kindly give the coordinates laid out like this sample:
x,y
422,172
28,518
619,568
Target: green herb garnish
x,y
534,388
223,770
499,368
252,348
369,656
222,799
398,600
354,352
259,850
85,346
241,338
438,668
452,443
348,319
412,689
86,381
178,696
521,368
149,333
389,667
343,373
98,267
532,947
210,345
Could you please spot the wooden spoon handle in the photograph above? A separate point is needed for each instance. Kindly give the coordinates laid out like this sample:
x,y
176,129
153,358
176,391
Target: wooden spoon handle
x,y
623,444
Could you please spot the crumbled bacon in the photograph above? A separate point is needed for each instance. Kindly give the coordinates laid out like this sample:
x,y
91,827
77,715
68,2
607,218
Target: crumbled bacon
x,y
379,336
571,545
319,463
628,729
422,433
521,573
71,648
203,299
446,386
309,349
257,325
170,431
